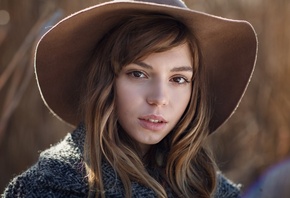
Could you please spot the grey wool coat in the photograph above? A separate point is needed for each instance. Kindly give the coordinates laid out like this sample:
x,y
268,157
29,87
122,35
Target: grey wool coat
x,y
60,172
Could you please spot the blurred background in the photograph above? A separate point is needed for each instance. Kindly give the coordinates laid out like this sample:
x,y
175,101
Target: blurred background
x,y
253,141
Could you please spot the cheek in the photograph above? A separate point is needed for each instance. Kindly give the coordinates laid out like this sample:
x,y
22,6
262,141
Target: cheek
x,y
182,104
181,99
121,97
126,97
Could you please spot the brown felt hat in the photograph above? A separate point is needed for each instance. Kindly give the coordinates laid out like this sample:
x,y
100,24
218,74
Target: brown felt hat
x,y
228,48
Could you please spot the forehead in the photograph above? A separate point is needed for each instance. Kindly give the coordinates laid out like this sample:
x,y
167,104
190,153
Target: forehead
x,y
177,59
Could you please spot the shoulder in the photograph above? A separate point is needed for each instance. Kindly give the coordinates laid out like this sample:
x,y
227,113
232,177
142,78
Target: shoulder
x,y
226,188
58,172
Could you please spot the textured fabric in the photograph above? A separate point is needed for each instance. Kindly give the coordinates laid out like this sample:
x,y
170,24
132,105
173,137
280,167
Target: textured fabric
x,y
60,172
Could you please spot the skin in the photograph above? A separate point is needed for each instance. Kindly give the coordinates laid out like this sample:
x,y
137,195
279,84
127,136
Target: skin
x,y
153,93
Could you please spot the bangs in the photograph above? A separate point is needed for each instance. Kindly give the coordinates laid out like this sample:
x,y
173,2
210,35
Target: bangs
x,y
143,34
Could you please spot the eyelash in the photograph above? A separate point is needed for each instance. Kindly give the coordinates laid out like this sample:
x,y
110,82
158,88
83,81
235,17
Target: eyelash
x,y
183,78
132,73
138,74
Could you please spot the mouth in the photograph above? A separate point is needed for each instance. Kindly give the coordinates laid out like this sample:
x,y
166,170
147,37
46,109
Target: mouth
x,y
153,122
153,119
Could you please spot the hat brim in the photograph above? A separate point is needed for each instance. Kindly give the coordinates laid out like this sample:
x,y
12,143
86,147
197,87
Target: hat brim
x,y
228,48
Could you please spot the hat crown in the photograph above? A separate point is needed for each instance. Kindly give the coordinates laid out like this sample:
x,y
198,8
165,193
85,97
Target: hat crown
x,y
176,3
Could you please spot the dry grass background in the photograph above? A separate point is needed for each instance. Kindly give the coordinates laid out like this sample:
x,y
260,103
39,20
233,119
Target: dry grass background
x,y
255,138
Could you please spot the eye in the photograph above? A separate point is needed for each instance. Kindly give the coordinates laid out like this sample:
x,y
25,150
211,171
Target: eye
x,y
180,80
137,74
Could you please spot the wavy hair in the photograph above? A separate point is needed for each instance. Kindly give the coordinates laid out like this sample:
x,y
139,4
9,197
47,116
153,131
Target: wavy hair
x,y
180,159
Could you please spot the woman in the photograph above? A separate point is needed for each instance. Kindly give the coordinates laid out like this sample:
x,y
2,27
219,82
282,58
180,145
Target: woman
x,y
145,82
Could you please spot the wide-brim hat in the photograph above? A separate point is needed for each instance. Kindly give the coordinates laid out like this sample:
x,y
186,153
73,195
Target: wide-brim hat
x,y
228,48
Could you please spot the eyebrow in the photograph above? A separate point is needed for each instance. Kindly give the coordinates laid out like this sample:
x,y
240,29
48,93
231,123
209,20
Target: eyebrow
x,y
175,69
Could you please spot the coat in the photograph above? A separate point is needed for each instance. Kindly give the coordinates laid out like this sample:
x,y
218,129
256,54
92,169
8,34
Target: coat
x,y
60,172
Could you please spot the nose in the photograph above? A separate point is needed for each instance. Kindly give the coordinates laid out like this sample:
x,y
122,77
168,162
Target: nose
x,y
158,95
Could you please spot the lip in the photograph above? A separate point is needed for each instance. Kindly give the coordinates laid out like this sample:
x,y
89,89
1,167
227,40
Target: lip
x,y
152,122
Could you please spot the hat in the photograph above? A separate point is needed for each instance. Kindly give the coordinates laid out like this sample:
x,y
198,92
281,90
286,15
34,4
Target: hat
x,y
228,48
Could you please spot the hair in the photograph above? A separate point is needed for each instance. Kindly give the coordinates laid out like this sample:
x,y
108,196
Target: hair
x,y
188,168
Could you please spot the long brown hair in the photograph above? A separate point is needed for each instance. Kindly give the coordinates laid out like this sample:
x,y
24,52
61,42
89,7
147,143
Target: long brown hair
x,y
187,168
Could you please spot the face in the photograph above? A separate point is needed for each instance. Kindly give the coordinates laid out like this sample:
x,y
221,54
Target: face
x,y
153,93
